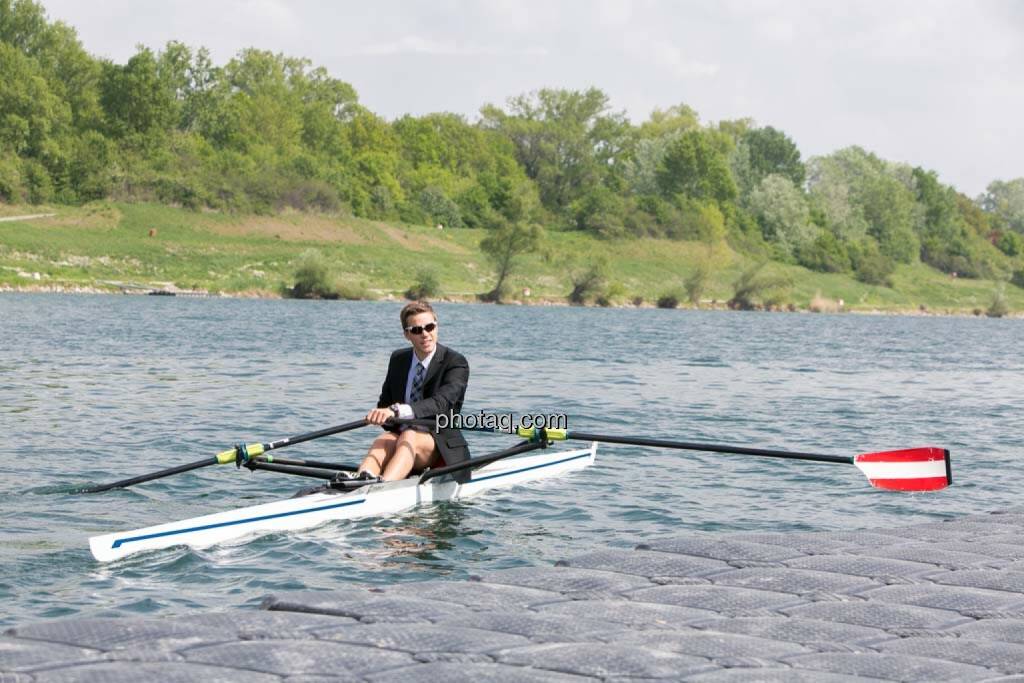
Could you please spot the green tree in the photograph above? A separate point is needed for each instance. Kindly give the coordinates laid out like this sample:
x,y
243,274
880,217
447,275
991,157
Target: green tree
x,y
782,212
1005,201
695,167
566,141
464,169
33,119
773,153
372,186
71,74
861,196
136,100
1011,244
503,247
672,121
600,212
947,242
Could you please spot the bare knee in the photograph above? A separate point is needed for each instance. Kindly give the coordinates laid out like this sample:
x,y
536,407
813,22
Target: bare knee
x,y
381,450
419,444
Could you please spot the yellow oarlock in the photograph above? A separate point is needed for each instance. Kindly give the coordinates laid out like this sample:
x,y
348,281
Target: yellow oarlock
x,y
552,434
228,457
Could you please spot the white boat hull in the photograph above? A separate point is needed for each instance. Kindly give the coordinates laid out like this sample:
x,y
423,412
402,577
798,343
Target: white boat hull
x,y
315,509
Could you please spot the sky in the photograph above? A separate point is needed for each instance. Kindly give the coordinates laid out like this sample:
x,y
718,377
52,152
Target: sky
x,y
932,83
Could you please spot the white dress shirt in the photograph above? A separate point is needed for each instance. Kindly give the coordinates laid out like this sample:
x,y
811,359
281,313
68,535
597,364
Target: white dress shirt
x,y
404,409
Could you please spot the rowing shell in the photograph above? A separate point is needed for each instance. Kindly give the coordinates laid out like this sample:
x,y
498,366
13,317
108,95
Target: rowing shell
x,y
316,508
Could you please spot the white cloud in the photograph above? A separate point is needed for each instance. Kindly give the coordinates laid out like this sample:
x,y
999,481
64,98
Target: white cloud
x,y
614,13
672,58
273,12
412,45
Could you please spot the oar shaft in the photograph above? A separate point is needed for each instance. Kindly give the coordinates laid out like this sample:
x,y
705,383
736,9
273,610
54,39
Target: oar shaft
x,y
306,463
710,447
292,440
229,456
482,460
314,472
152,475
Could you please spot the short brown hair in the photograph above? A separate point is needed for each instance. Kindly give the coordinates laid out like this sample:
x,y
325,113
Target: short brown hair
x,y
415,308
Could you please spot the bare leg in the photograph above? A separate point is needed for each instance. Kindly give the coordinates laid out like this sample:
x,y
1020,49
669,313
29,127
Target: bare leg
x,y
380,452
413,450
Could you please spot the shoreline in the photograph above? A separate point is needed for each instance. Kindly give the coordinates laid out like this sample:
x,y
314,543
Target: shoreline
x,y
173,291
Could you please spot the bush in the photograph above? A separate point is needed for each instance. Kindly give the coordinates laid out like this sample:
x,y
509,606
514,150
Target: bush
x,y
820,304
697,283
440,208
11,189
37,180
825,254
1017,280
670,300
600,212
351,291
1010,243
756,288
589,283
870,266
999,307
615,293
306,195
425,287
312,277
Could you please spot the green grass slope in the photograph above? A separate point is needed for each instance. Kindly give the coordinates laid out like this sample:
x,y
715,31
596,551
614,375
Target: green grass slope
x,y
102,245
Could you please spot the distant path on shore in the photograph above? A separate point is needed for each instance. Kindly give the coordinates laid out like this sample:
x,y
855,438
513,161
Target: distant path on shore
x,y
6,219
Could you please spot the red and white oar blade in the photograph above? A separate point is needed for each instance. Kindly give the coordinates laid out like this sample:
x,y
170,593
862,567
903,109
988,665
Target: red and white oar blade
x,y
911,469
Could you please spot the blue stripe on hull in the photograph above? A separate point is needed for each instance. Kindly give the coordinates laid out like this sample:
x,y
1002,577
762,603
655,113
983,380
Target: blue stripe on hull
x,y
534,467
121,541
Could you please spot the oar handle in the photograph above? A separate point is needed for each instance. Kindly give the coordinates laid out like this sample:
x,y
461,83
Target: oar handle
x,y
292,440
710,447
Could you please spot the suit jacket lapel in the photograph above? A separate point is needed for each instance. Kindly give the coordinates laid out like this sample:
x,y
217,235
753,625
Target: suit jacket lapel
x,y
401,375
435,366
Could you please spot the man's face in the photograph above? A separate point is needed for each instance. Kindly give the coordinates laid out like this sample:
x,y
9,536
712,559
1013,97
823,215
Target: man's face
x,y
425,341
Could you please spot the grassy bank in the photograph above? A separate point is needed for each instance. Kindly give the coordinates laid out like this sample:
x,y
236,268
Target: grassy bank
x,y
100,245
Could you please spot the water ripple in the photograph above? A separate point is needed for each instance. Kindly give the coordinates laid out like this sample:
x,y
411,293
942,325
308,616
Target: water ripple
x,y
96,388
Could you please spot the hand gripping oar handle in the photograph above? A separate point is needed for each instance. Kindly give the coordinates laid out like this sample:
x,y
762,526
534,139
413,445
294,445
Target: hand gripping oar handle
x,y
238,455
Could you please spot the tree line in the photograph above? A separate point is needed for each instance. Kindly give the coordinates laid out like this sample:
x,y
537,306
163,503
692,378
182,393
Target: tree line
x,y
265,132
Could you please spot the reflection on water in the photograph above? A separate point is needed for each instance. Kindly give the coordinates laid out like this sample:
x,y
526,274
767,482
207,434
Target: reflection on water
x,y
97,388
422,536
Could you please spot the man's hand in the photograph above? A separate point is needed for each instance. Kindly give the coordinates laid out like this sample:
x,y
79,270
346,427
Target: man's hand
x,y
378,416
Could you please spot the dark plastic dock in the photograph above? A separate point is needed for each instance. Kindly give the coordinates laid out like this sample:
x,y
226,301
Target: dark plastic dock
x,y
941,601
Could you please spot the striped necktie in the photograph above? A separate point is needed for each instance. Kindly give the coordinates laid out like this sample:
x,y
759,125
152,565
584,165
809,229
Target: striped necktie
x,y
417,384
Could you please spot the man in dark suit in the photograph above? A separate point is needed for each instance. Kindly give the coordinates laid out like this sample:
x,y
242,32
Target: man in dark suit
x,y
423,381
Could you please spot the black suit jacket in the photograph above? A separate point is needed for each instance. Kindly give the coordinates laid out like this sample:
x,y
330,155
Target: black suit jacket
x,y
444,388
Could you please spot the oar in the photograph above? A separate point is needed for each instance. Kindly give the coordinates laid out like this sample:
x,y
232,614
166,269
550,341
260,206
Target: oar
x,y
524,447
239,455
925,468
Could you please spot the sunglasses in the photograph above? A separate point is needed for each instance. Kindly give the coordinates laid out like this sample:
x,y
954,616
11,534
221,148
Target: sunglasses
x,y
420,329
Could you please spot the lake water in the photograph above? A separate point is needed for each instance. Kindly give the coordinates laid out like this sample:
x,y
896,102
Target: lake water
x,y
98,388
